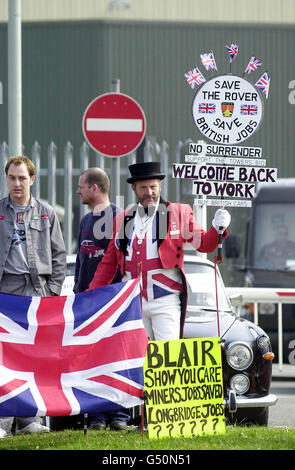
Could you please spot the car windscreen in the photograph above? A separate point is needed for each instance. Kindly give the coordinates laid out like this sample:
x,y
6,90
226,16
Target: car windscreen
x,y
274,237
201,289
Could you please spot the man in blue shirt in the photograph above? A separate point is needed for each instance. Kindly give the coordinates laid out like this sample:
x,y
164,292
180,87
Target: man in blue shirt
x,y
96,229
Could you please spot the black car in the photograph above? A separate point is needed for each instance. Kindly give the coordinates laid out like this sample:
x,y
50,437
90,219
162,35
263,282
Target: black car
x,y
246,349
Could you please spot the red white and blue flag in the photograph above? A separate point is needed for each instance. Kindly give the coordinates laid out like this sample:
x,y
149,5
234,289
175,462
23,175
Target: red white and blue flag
x,y
142,259
208,61
233,50
194,77
263,83
253,65
207,108
62,356
249,109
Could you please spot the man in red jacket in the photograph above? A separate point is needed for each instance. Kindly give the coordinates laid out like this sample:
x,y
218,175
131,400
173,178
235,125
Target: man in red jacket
x,y
148,242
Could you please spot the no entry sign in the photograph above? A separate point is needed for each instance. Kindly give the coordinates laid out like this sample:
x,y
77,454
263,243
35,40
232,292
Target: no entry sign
x,y
114,124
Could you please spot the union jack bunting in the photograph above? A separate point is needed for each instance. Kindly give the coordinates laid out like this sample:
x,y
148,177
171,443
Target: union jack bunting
x,y
249,109
253,65
233,50
263,83
207,108
208,61
74,354
194,77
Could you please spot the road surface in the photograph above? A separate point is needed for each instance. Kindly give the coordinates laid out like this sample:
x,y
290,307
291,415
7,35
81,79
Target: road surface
x,y
283,386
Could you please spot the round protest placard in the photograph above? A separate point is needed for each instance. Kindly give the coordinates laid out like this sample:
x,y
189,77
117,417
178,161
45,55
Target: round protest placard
x,y
227,109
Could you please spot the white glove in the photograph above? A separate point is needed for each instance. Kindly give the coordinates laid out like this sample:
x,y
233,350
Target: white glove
x,y
222,219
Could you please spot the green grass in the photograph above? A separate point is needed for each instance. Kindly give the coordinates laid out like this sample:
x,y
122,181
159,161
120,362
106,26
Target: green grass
x,y
235,438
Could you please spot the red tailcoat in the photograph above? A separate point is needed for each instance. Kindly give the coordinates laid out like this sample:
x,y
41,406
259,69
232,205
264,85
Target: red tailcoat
x,y
176,227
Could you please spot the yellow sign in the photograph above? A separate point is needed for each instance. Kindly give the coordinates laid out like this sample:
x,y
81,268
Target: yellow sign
x,y
184,388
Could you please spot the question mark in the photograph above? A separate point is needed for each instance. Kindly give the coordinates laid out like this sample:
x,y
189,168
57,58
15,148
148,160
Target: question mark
x,y
194,425
170,427
158,426
215,421
181,425
204,421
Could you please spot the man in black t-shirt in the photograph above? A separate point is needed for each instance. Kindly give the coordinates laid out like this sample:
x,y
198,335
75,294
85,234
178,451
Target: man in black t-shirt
x,y
96,229
93,240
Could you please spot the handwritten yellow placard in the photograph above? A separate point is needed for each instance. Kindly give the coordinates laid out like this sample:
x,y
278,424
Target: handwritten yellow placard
x,y
184,388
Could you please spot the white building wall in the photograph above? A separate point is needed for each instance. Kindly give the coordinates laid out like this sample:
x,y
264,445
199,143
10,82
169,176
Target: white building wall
x,y
226,11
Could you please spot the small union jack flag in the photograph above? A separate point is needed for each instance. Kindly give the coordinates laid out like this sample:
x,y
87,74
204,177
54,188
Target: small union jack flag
x,y
233,50
208,61
63,355
194,77
249,109
253,65
263,83
207,108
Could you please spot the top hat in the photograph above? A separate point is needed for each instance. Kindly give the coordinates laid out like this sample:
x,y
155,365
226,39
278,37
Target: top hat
x,y
145,171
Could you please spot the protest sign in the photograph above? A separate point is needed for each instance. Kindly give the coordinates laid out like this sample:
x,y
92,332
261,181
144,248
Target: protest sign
x,y
224,173
184,388
227,109
225,150
225,160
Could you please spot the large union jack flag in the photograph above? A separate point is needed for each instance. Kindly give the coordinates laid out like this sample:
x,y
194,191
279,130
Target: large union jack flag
x,y
62,356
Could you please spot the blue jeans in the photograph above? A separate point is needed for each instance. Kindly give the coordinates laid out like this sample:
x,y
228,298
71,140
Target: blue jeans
x,y
122,414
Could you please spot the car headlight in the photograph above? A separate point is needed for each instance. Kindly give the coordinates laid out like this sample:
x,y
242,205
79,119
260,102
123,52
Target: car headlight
x,y
267,309
239,355
263,342
240,383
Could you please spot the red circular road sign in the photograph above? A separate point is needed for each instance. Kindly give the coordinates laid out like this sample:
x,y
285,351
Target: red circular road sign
x,y
114,124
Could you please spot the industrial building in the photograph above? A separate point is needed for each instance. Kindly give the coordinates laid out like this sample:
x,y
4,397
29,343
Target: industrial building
x,y
72,50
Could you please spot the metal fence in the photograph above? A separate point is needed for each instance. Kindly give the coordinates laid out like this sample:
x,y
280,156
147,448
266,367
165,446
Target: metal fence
x,y
115,167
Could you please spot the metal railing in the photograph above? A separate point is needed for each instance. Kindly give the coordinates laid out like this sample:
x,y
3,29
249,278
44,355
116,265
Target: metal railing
x,y
67,171
257,295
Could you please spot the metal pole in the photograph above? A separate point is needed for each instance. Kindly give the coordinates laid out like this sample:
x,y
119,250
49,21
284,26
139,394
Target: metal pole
x,y
51,157
36,157
280,335
115,164
68,191
14,78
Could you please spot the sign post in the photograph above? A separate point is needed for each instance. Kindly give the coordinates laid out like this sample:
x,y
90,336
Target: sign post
x,y
14,78
115,164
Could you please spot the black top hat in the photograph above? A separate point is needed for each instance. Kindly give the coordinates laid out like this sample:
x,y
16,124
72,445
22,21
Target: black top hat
x,y
145,171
